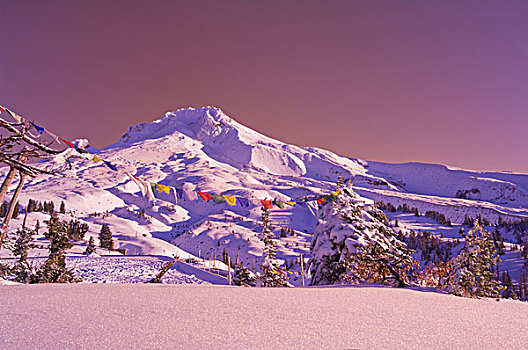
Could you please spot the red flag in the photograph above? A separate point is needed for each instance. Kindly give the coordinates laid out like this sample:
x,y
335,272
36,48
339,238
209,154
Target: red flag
x,y
66,142
321,200
2,110
205,196
267,204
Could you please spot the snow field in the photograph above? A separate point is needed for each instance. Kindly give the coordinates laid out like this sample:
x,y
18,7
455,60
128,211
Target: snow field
x,y
89,316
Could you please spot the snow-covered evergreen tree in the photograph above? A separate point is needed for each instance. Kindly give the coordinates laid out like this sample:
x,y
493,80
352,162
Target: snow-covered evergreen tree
x,y
474,268
354,244
243,276
270,275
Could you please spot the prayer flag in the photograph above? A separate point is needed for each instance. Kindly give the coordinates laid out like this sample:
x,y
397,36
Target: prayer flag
x,y
330,198
39,129
68,143
2,110
96,159
266,204
217,198
80,150
13,115
205,196
162,188
191,195
179,193
243,202
108,164
278,203
336,193
290,203
164,193
230,200
321,200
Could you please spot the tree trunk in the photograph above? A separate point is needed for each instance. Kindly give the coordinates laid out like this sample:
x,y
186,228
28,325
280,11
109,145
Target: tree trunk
x,y
7,182
12,206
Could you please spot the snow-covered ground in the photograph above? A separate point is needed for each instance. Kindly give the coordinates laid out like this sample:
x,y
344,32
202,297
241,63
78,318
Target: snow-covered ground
x,y
97,316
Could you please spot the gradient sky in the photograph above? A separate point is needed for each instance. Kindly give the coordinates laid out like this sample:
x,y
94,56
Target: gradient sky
x,y
397,81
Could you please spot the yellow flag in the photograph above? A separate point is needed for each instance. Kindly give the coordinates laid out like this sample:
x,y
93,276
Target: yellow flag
x,y
230,200
291,203
163,188
96,159
337,193
17,117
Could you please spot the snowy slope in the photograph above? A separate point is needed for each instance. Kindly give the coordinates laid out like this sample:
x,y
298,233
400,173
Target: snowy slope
x,y
97,316
204,149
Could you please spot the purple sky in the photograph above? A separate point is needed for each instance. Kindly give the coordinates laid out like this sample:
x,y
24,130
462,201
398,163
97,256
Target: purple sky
x,y
396,81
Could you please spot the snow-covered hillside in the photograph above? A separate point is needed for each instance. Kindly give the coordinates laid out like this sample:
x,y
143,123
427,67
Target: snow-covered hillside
x,y
203,149
101,316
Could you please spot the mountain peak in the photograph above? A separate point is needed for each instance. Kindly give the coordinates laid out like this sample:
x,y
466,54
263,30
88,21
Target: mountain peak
x,y
193,122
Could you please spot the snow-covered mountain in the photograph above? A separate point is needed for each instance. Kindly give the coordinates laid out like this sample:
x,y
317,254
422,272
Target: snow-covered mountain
x,y
204,149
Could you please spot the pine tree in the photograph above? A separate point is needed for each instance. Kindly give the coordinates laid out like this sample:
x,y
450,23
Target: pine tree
x,y
507,282
77,230
243,276
15,211
3,209
270,276
354,244
91,247
37,227
22,269
105,238
62,209
474,268
54,269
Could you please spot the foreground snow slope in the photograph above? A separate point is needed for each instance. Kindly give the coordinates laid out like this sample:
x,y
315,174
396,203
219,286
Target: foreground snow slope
x,y
196,317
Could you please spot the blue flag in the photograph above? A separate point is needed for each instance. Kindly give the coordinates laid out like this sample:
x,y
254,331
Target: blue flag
x,y
179,193
243,202
38,128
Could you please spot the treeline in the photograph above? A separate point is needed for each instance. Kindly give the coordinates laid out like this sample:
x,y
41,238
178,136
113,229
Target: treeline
x,y
33,206
431,248
405,208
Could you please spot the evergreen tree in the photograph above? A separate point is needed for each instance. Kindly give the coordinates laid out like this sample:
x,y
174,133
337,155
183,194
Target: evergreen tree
x,y
105,238
37,227
62,209
77,230
474,268
15,211
354,244
3,209
54,269
243,276
22,269
270,276
507,282
30,206
91,247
